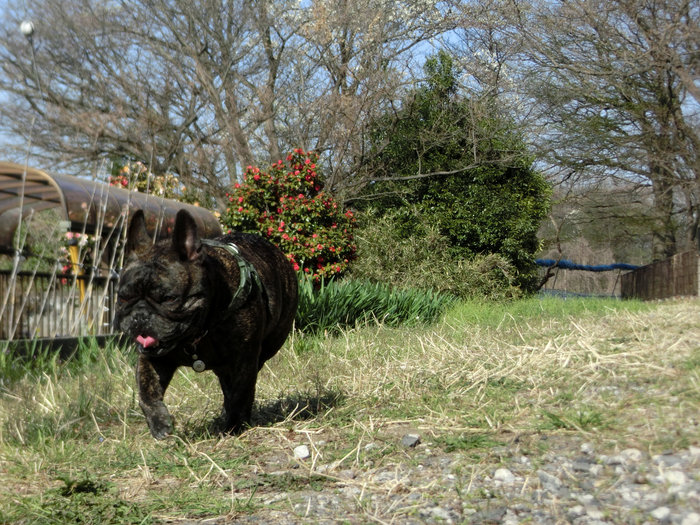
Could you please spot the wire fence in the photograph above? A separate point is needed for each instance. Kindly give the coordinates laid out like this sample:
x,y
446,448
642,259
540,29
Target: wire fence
x,y
676,276
48,305
563,277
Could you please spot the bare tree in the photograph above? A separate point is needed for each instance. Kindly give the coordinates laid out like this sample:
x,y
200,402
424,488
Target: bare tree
x,y
205,89
370,52
614,83
83,88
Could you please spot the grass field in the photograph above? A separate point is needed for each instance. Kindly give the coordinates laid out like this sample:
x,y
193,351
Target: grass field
x,y
74,446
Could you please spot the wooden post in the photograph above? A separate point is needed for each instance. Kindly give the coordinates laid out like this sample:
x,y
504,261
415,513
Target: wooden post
x,y
74,252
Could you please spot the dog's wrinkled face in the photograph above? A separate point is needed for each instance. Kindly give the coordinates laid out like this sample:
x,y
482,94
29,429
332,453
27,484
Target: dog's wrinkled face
x,y
162,299
159,304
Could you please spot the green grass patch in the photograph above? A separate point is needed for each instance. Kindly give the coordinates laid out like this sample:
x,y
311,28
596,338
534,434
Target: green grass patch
x,y
499,314
289,481
573,420
466,442
692,362
89,507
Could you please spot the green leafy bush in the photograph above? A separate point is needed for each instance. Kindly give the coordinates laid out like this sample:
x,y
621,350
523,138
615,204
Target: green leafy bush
x,y
403,248
287,205
346,303
464,164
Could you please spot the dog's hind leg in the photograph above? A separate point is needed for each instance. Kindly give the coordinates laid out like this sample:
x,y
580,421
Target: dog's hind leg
x,y
238,385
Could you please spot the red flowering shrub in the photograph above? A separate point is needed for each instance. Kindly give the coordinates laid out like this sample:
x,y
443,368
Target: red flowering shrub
x,y
286,204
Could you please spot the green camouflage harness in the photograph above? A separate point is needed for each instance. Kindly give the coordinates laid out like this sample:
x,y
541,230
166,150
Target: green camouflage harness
x,y
248,274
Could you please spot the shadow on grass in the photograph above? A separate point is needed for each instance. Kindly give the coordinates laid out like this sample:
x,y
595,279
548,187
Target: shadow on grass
x,y
298,406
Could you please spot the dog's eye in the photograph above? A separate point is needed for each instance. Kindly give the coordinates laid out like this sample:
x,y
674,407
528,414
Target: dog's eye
x,y
171,299
127,293
124,299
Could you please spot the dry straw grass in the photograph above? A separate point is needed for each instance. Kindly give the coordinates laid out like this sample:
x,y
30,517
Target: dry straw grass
x,y
460,372
617,374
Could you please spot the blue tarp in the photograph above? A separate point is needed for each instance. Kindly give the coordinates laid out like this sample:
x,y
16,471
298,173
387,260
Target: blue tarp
x,y
568,265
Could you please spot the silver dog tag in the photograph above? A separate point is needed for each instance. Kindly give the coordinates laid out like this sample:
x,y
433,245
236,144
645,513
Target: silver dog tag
x,y
199,366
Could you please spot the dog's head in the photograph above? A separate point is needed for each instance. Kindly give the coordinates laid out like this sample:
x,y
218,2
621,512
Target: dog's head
x,y
163,296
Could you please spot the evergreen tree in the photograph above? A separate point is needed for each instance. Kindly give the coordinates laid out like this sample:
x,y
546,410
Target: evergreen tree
x,y
462,164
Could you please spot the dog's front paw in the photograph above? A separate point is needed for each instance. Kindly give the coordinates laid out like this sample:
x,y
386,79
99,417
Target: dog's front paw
x,y
160,430
159,421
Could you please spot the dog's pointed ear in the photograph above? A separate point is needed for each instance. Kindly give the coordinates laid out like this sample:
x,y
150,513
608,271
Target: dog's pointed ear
x,y
137,238
185,237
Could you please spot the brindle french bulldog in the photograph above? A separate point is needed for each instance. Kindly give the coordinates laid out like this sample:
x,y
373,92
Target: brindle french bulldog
x,y
225,305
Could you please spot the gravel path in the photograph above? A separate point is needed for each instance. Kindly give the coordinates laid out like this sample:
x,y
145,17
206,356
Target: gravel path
x,y
568,482
584,487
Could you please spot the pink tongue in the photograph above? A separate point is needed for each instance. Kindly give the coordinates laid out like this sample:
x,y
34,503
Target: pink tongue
x,y
146,341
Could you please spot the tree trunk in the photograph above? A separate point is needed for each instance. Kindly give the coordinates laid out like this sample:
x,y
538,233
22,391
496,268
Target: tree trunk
x,y
664,230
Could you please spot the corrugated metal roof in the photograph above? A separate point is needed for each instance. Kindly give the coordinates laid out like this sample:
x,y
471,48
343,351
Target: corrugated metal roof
x,y
90,206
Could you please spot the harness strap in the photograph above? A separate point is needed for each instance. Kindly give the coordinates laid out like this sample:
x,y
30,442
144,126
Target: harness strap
x,y
248,274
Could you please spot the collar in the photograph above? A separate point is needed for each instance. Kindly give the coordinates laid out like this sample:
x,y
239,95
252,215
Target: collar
x,y
248,274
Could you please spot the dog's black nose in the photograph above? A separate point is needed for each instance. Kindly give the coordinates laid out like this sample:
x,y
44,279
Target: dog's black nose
x,y
136,322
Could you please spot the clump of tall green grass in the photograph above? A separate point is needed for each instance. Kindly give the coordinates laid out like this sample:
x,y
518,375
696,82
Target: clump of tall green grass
x,y
37,358
346,303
